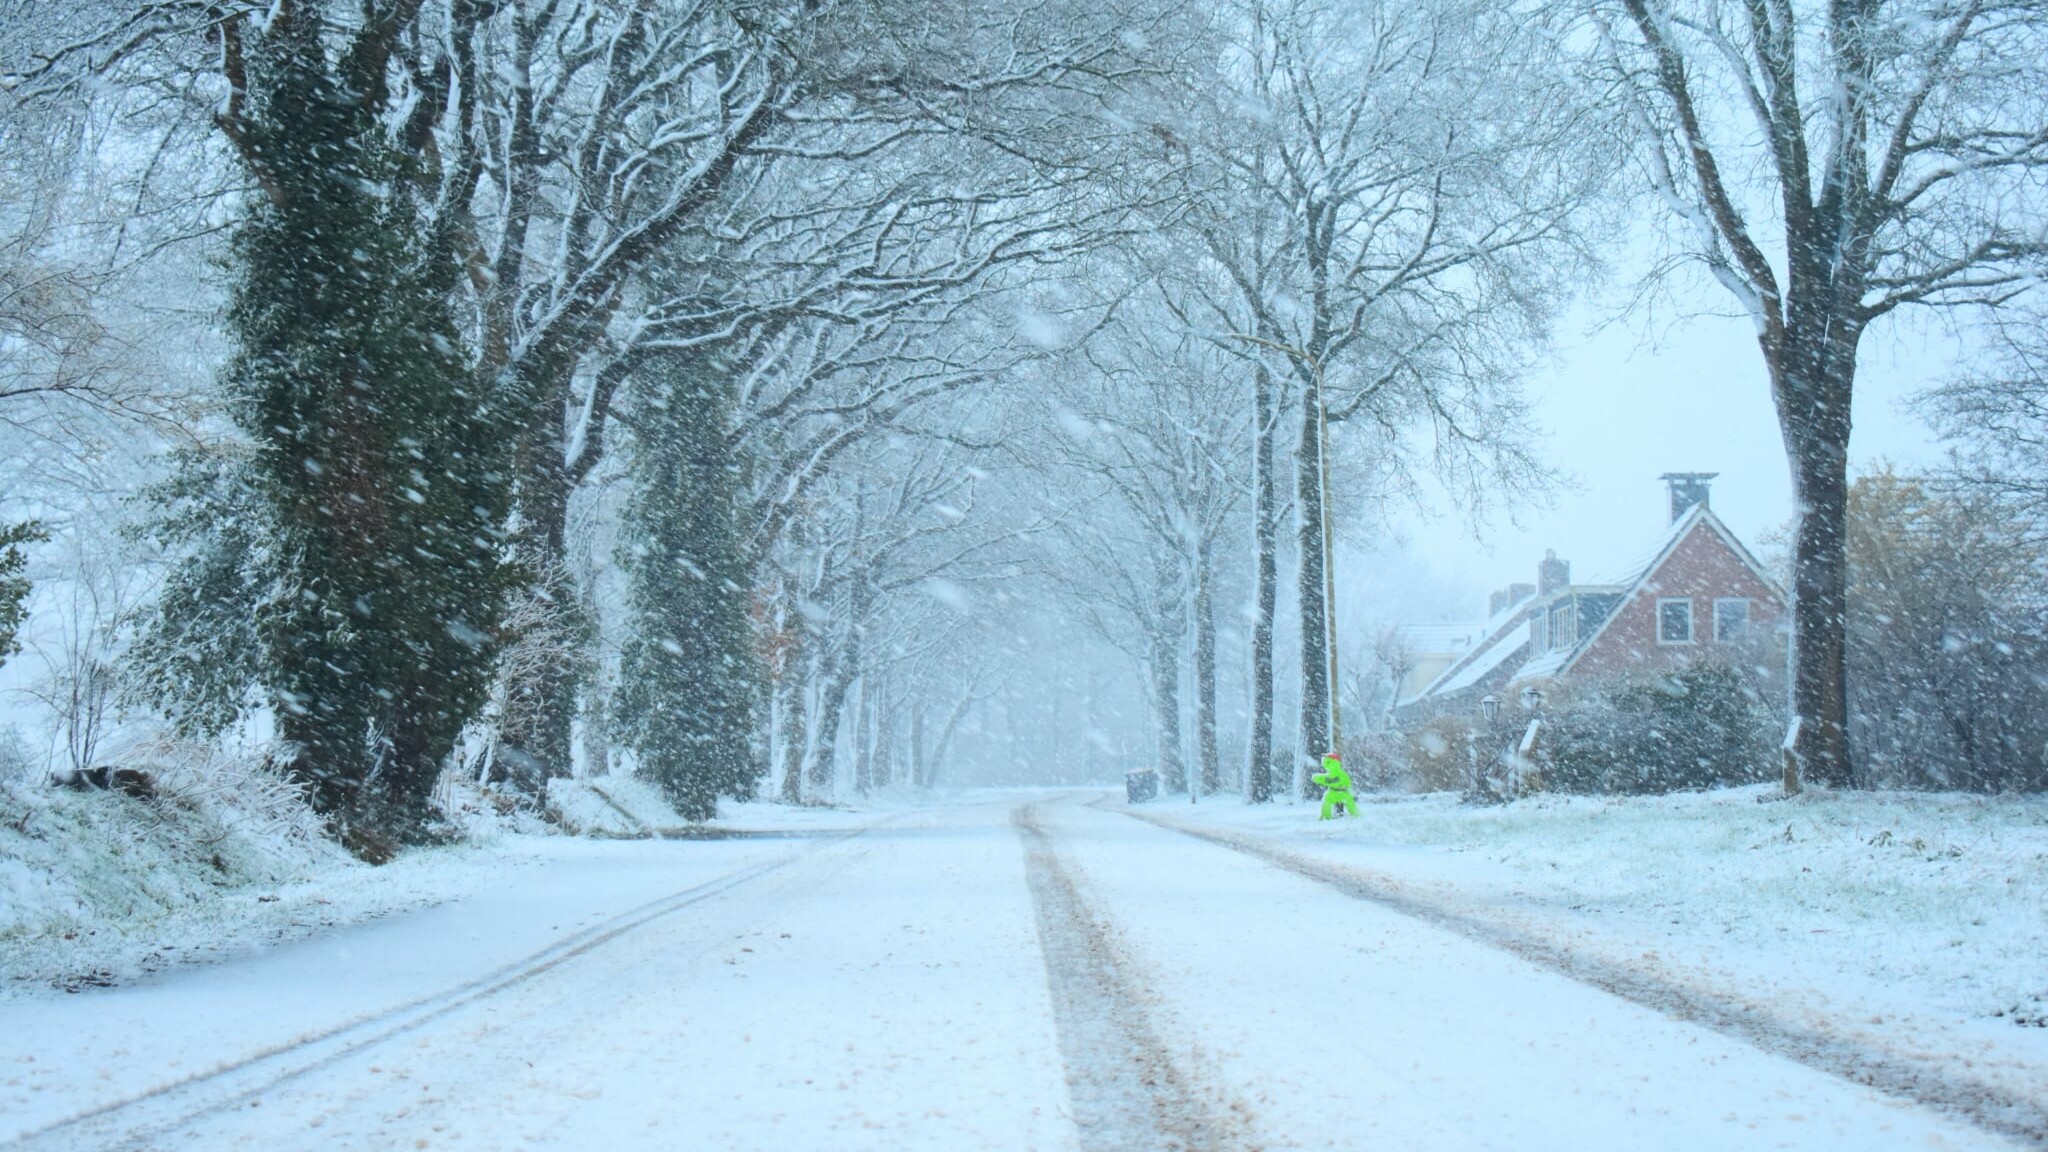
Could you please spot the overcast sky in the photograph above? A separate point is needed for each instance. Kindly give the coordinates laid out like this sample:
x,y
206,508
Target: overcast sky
x,y
1625,402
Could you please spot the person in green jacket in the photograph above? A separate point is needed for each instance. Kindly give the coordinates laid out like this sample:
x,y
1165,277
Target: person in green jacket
x,y
1336,787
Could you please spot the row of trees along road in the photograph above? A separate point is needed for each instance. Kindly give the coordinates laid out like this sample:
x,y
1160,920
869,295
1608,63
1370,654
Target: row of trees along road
x,y
565,198
694,373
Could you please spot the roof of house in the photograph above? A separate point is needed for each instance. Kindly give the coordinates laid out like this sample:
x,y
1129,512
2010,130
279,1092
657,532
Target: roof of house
x,y
1557,661
1494,640
1638,566
1440,639
1543,664
1465,675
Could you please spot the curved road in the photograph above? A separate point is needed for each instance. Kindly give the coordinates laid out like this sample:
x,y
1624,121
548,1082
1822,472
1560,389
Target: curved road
x,y
1029,972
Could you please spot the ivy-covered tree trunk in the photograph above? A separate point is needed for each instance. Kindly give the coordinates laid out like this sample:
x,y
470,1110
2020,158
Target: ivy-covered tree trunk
x,y
376,450
690,677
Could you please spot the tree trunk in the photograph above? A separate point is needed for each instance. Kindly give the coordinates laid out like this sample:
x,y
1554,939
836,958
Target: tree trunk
x,y
597,733
945,744
1168,631
790,698
536,732
1264,546
1205,669
1816,434
846,668
820,758
597,742
1315,629
919,774
864,739
885,743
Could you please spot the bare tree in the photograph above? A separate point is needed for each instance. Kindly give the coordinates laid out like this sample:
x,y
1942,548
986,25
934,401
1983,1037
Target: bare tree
x,y
792,171
1996,417
1151,417
1385,246
1830,164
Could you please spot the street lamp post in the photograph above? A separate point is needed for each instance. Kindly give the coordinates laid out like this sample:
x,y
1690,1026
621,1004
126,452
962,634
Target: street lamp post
x,y
1329,565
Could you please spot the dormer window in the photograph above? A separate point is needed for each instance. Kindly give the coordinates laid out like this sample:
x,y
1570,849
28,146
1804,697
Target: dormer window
x,y
1731,619
1674,621
1562,632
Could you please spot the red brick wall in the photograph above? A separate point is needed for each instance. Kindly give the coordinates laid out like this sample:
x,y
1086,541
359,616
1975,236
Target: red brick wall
x,y
1702,567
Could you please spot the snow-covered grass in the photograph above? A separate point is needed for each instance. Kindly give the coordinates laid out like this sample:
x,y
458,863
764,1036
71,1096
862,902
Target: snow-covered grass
x,y
1915,921
623,807
98,886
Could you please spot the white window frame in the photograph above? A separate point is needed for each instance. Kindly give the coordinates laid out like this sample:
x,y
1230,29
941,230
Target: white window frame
x,y
1692,624
1720,600
1564,612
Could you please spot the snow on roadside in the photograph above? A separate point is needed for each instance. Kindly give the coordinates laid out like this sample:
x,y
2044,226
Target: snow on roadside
x,y
1911,922
99,888
628,808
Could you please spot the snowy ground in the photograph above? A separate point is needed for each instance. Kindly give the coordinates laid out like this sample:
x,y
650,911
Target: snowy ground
x,y
1906,927
1013,971
98,889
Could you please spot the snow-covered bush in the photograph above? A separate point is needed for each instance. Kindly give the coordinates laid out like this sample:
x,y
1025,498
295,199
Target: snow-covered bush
x,y
1377,759
100,869
1701,727
1948,654
15,763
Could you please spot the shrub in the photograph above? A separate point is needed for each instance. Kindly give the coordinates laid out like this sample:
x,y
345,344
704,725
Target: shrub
x,y
1701,727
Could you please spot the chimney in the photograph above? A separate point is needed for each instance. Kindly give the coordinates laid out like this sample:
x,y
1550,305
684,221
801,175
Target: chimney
x,y
1508,597
1552,573
1687,489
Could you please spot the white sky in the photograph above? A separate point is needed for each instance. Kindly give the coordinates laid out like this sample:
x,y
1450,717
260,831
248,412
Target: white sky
x,y
1682,392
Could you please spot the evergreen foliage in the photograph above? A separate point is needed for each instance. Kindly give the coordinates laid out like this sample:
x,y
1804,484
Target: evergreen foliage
x,y
14,583
378,477
691,676
197,657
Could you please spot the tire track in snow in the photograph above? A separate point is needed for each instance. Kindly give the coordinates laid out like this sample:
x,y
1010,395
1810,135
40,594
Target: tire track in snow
x,y
1128,1095
234,1084
1988,1106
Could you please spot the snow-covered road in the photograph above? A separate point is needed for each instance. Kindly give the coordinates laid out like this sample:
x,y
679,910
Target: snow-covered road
x,y
1016,972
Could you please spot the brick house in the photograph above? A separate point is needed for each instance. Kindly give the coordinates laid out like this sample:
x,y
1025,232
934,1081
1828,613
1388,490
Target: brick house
x,y
1696,594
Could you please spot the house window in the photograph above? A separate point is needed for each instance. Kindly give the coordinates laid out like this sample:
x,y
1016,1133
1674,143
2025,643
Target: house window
x,y
1731,619
1674,621
1561,631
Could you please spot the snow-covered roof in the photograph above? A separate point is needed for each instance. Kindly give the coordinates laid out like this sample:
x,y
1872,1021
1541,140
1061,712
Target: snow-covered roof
x,y
1639,566
1441,639
1512,614
1544,664
1509,642
1502,633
